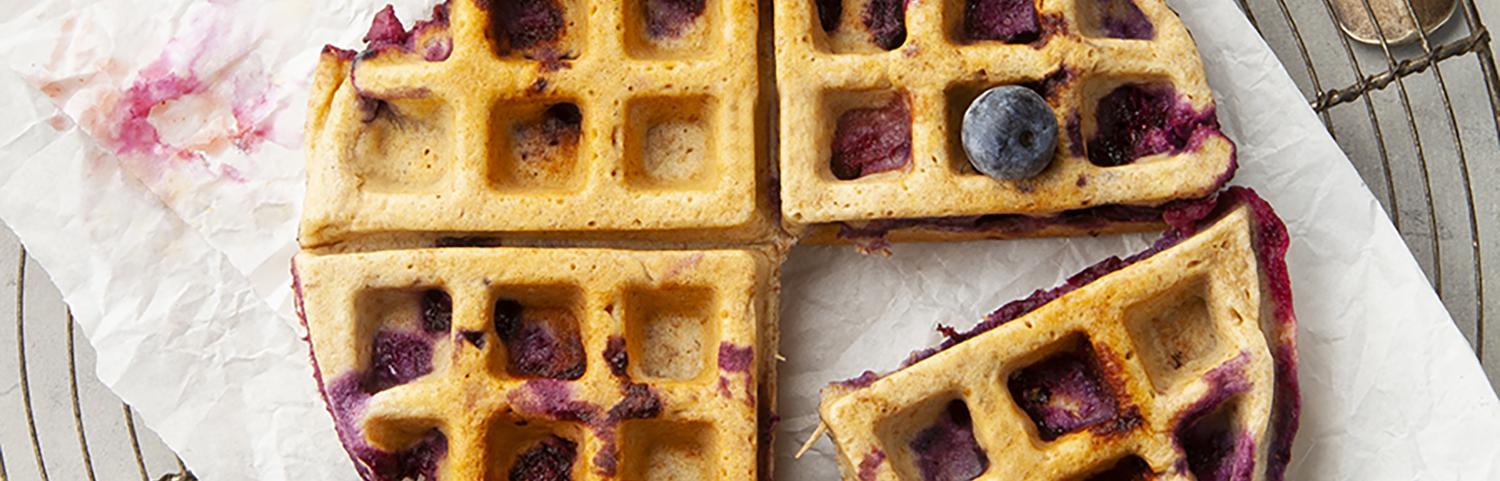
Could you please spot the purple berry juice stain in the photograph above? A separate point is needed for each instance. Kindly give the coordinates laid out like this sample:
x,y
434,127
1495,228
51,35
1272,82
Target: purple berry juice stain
x,y
201,105
156,85
864,379
870,464
429,38
552,399
385,30
733,359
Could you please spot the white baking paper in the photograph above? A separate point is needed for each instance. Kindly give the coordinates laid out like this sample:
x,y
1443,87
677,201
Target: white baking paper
x,y
171,246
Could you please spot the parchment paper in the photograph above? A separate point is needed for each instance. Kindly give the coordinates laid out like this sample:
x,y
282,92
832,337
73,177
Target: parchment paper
x,y
150,161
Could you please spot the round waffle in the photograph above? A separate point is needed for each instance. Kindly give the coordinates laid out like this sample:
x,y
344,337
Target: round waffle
x,y
540,241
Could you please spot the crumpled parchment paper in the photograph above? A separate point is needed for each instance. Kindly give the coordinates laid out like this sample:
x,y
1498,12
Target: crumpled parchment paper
x,y
150,161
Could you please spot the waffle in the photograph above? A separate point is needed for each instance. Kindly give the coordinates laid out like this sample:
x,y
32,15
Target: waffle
x,y
1178,363
871,105
520,119
539,364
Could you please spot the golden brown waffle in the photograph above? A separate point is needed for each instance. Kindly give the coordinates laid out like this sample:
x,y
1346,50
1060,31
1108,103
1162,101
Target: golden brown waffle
x,y
472,126
1180,363
474,364
446,350
932,71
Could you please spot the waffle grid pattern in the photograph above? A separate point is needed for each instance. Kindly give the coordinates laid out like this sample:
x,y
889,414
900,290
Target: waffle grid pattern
x,y
822,75
468,129
1211,268
664,146
488,414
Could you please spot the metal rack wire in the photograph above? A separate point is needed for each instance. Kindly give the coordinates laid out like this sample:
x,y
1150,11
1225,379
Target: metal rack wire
x,y
1425,174
99,421
1433,142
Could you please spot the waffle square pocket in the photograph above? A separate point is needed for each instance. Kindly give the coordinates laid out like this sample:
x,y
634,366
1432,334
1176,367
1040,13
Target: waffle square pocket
x,y
1177,363
520,363
873,95
543,119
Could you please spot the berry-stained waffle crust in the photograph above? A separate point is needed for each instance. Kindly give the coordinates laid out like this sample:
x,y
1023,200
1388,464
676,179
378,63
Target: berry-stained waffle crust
x,y
873,94
543,118
545,364
1176,363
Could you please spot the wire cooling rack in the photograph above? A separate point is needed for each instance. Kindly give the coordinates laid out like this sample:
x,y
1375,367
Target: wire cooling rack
x,y
1421,122
1418,113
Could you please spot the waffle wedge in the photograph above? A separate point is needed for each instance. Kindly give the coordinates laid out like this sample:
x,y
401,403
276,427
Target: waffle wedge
x,y
1177,363
540,364
872,95
545,119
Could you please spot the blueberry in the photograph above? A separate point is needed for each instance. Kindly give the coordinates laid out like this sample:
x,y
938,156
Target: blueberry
x,y
549,460
948,450
1009,133
437,311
